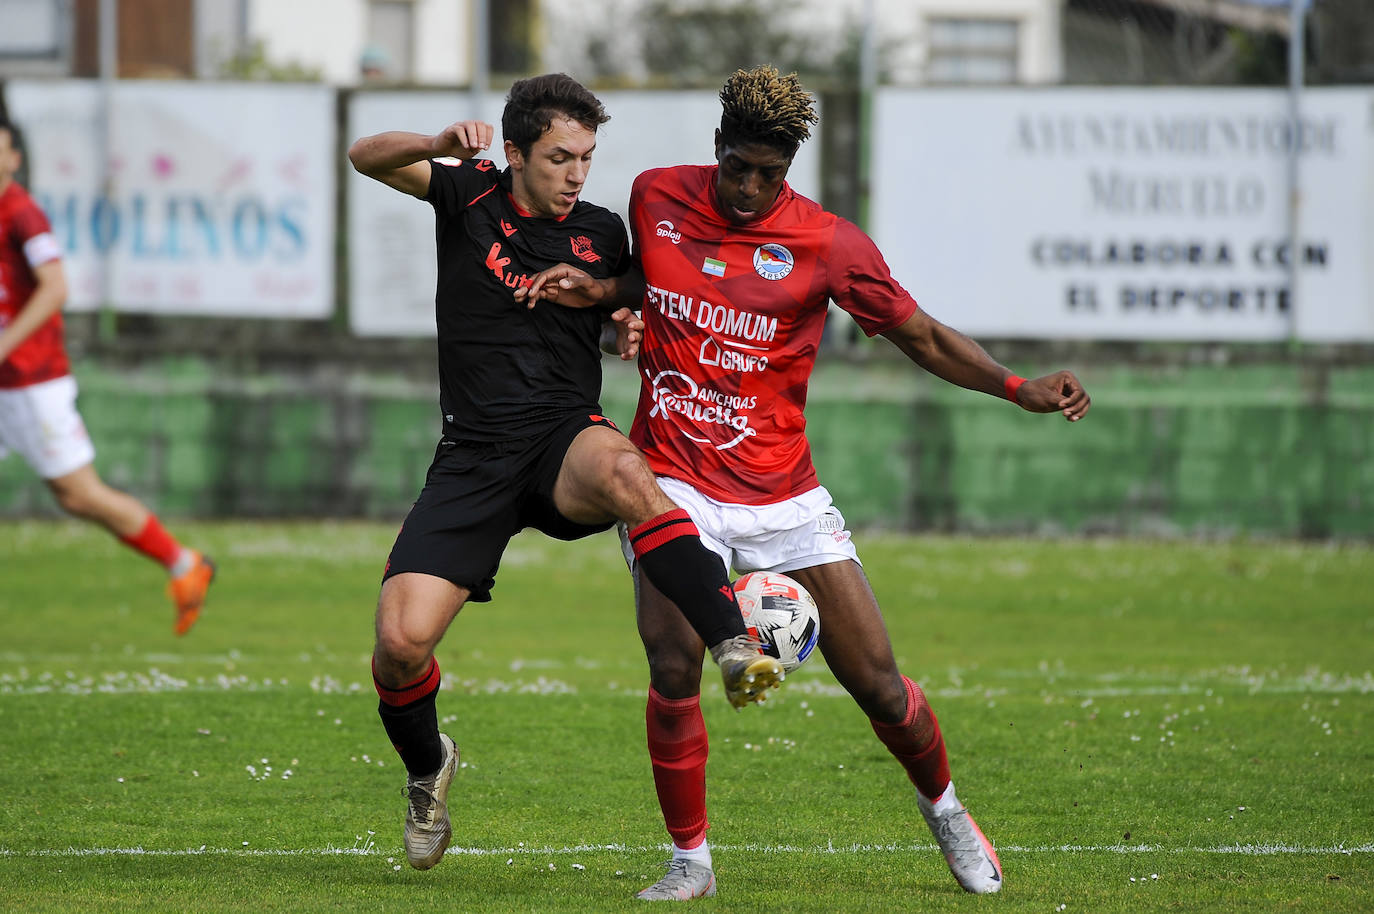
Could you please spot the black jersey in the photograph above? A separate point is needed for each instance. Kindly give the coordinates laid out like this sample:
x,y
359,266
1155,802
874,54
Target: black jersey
x,y
507,371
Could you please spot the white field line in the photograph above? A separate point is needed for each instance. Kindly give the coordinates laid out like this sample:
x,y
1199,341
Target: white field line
x,y
1244,850
156,681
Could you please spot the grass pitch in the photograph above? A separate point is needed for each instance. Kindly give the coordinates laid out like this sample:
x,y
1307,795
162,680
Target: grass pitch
x,y
1137,726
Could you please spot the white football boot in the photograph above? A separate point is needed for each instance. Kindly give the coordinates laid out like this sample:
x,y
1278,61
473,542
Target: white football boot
x,y
685,880
427,826
970,856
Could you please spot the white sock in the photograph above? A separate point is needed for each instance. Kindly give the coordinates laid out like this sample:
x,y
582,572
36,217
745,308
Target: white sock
x,y
699,854
947,801
184,563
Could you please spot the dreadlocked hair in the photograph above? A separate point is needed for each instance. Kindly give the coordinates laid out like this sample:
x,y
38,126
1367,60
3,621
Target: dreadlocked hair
x,y
761,105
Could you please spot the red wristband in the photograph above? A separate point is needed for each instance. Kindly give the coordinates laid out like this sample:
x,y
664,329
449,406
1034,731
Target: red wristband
x,y
1011,385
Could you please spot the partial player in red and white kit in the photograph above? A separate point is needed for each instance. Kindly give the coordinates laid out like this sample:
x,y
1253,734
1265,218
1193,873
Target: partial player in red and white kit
x,y
733,318
38,416
738,273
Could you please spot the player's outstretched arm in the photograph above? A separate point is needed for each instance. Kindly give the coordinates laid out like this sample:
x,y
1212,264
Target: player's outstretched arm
x,y
567,285
401,160
949,354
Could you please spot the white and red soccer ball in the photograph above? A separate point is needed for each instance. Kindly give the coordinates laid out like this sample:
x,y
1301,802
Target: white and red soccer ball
x,y
780,614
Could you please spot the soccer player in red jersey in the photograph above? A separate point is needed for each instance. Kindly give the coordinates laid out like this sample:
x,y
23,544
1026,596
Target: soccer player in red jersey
x,y
38,415
524,440
738,273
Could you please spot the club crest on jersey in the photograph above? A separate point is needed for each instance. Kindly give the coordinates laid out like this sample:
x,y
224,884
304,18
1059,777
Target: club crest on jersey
x,y
582,247
773,261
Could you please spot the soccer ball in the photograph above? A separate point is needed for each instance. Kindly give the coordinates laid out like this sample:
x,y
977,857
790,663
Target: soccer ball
x,y
780,614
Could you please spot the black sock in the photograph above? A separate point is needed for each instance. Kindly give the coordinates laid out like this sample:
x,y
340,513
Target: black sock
x,y
668,549
411,722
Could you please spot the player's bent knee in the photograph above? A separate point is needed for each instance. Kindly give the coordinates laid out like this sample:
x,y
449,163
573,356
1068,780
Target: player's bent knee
x,y
74,502
882,700
675,674
630,488
400,650
629,471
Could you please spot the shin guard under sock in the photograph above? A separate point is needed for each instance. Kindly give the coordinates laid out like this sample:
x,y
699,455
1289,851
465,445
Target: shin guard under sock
x,y
155,542
915,741
411,722
678,749
668,549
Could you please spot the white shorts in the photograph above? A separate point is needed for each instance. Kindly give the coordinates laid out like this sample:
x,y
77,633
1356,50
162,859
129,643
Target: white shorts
x,y
801,532
41,424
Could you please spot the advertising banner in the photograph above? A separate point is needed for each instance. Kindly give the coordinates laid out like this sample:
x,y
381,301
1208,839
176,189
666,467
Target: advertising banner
x,y
1129,214
209,198
391,247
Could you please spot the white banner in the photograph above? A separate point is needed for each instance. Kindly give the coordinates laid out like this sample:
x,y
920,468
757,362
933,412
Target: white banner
x,y
391,265
220,198
1149,214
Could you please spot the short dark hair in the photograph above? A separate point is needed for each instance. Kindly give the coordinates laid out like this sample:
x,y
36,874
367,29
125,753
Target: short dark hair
x,y
534,103
763,106
16,135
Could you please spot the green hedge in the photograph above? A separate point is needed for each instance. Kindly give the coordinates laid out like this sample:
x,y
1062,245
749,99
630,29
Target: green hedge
x,y
1267,450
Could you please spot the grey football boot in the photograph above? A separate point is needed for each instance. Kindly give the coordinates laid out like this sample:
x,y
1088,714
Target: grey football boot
x,y
427,826
685,880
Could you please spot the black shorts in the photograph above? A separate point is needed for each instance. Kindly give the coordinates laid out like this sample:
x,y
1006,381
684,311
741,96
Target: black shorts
x,y
478,495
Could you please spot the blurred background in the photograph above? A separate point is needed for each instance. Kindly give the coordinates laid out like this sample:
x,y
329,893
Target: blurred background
x,y
1174,198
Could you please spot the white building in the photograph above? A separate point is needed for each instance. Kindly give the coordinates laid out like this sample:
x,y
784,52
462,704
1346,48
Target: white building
x,y
921,41
432,42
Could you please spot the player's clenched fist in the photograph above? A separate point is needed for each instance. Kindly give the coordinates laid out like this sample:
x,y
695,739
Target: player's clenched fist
x,y
464,139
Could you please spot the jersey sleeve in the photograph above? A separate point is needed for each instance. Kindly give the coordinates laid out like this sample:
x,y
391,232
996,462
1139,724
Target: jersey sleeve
x,y
454,183
33,234
861,283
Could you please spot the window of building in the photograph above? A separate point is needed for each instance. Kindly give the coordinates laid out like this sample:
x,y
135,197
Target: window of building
x,y
389,54
972,50
33,29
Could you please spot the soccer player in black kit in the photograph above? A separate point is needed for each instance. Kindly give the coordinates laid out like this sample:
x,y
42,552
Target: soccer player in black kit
x,y
524,442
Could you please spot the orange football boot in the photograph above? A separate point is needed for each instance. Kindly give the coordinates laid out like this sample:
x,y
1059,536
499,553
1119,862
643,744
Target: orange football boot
x,y
188,593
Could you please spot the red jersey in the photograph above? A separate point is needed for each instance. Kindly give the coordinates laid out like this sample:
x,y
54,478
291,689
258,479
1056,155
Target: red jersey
x,y
26,242
733,315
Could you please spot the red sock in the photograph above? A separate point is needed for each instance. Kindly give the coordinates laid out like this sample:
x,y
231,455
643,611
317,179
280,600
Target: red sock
x,y
154,542
678,750
916,742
